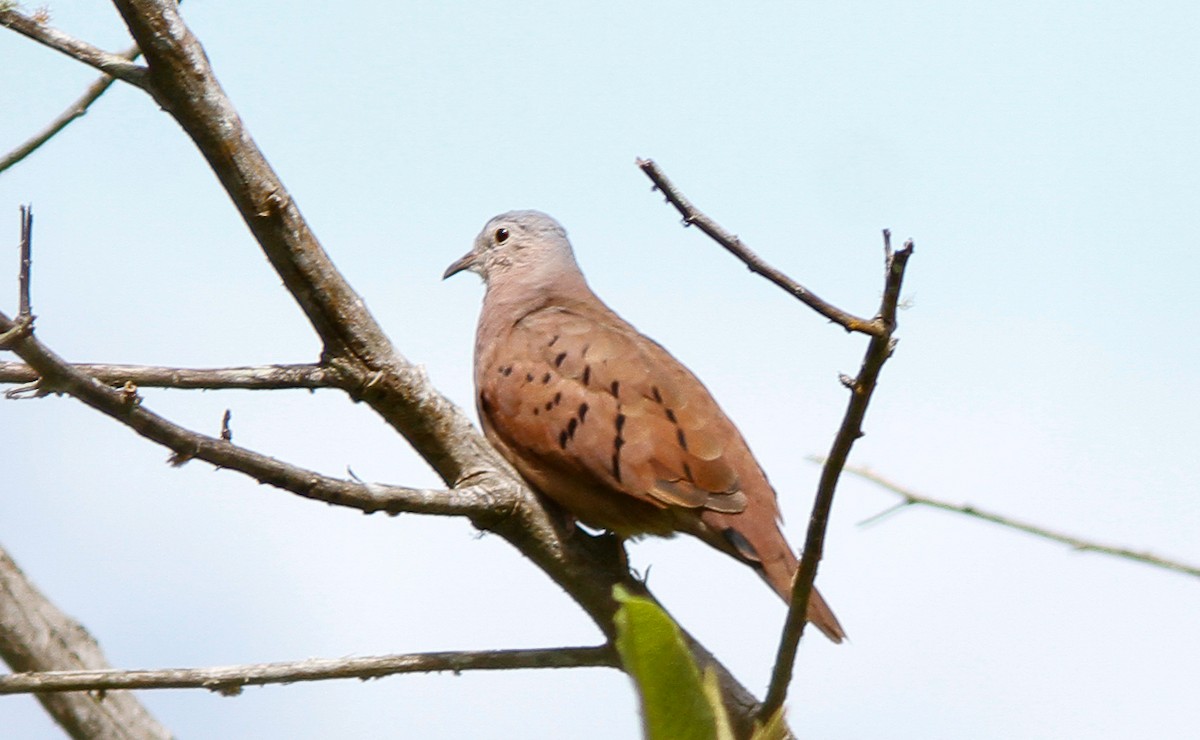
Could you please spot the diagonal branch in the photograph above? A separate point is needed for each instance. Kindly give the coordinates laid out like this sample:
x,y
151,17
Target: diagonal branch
x,y
76,110
124,405
114,65
692,215
230,680
256,377
35,635
878,351
1077,543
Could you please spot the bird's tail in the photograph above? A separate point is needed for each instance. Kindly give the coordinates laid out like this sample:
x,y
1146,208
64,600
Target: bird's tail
x,y
780,572
762,546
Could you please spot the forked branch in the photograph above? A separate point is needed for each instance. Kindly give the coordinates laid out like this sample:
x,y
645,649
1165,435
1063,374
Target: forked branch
x,y
76,110
880,328
911,498
114,65
863,386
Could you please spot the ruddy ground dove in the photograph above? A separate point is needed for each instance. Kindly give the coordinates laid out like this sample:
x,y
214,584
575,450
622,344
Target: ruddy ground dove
x,y
605,422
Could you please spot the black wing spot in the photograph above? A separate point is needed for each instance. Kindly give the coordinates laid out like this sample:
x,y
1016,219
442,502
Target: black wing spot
x,y
552,341
679,435
587,374
506,370
687,473
546,378
615,389
571,425
671,416
583,409
558,359
528,377
549,405
657,395
557,398
743,546
563,437
618,443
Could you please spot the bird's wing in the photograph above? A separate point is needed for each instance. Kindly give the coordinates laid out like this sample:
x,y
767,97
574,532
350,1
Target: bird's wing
x,y
589,394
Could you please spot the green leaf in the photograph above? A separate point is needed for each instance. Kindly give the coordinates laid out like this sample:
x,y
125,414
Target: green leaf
x,y
675,704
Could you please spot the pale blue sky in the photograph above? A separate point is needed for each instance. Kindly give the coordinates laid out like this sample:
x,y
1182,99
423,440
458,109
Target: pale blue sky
x,y
1043,155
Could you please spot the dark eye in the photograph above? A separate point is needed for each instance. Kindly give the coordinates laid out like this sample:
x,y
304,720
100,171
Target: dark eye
x,y
501,236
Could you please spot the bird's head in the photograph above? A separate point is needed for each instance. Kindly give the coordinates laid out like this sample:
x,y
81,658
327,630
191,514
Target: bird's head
x,y
523,246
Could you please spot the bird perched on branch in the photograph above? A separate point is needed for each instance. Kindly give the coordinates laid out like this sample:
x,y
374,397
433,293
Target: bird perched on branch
x,y
605,422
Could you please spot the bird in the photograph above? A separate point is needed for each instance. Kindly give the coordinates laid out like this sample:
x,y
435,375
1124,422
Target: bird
x,y
602,420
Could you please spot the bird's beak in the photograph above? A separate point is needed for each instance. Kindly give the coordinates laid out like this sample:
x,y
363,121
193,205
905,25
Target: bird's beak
x,y
466,262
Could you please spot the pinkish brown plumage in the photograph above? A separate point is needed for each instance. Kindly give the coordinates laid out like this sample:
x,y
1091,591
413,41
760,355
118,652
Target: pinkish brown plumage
x,y
604,421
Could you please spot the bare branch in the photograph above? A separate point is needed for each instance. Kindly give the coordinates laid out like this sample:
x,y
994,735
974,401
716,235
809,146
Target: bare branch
x,y
260,377
878,351
24,303
36,636
1077,543
880,329
692,215
230,680
76,110
23,325
125,406
114,65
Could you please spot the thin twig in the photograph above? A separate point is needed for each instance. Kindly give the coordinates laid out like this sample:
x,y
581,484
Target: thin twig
x,y
22,326
258,377
24,303
1076,543
114,65
878,351
692,215
76,110
229,680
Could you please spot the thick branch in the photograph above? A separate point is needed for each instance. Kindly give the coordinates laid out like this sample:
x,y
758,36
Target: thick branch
x,y
76,110
910,498
114,65
229,680
692,215
36,636
878,351
260,377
